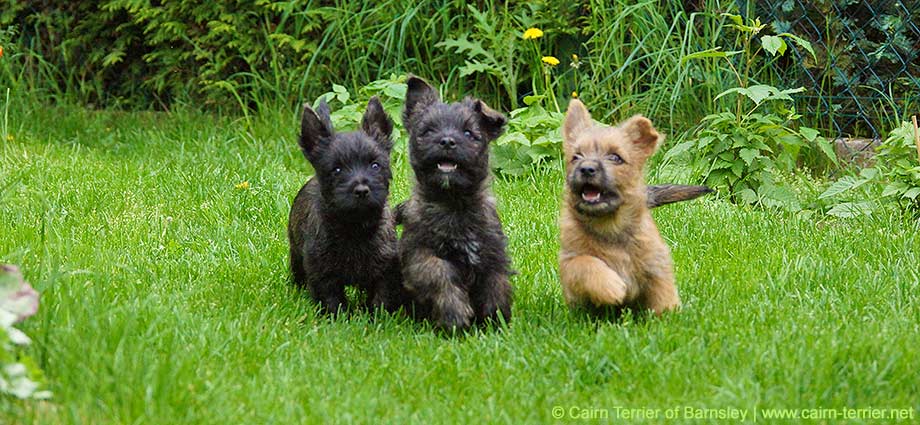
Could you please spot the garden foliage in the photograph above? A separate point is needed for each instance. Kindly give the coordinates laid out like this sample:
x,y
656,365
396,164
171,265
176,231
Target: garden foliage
x,y
228,54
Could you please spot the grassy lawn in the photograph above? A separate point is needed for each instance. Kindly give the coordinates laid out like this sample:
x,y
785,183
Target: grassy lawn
x,y
165,298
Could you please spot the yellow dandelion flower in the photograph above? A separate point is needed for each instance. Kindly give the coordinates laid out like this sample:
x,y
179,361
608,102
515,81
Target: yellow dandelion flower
x,y
575,94
550,60
243,186
533,33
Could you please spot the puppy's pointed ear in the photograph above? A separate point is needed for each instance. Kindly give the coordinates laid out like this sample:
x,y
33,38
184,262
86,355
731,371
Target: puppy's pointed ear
x,y
419,96
315,130
577,119
377,124
644,137
491,122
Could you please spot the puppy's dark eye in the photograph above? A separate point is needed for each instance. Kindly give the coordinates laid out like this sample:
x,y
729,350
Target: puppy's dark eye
x,y
375,166
337,171
576,157
468,134
614,158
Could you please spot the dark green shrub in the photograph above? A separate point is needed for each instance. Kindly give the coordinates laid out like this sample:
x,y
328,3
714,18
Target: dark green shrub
x,y
898,161
141,54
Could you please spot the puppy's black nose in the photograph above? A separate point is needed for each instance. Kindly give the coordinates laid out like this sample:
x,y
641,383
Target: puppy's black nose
x,y
587,170
448,143
362,190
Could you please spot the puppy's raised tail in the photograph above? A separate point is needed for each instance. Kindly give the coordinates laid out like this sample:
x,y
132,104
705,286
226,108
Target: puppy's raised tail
x,y
664,194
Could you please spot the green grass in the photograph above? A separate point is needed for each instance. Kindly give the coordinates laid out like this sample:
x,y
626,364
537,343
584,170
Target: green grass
x,y
165,297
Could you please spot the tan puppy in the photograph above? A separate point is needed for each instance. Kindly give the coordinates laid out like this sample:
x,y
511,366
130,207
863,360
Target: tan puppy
x,y
611,252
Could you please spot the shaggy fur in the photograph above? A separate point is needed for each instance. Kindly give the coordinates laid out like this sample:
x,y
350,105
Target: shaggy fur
x,y
340,228
452,247
611,252
669,193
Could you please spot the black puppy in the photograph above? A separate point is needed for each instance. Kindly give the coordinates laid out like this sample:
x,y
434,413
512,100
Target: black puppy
x,y
452,247
341,230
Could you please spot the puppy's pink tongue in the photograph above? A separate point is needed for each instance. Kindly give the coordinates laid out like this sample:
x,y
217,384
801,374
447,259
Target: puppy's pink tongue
x,y
590,195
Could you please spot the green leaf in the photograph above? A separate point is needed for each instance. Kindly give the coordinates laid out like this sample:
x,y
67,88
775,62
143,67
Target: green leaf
x,y
539,152
341,93
530,100
838,187
748,155
803,43
748,196
395,91
851,209
739,141
704,141
552,140
464,44
513,138
715,52
911,193
721,164
473,67
678,149
737,168
773,44
112,58
894,188
789,140
737,19
825,147
792,90
779,197
809,134
756,93
738,23
869,174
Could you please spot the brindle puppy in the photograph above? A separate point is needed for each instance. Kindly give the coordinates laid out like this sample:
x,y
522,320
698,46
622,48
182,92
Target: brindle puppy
x,y
452,247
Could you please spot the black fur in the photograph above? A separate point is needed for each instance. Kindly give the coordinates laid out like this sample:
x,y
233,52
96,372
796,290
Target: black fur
x,y
452,247
340,228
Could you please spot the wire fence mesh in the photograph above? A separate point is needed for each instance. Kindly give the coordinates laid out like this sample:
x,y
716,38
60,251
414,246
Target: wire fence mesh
x,y
866,73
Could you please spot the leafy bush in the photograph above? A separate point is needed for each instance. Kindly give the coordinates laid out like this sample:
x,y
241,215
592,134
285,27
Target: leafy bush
x,y
842,199
532,138
224,53
228,53
898,161
391,92
738,152
241,55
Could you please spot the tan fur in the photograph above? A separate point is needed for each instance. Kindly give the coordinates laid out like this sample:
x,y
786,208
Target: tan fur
x,y
618,259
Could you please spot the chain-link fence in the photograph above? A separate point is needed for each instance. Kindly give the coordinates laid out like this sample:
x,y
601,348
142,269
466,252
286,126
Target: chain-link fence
x,y
867,72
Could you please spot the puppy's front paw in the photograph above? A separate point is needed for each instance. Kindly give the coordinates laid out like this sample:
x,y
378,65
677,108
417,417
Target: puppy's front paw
x,y
609,293
455,316
587,279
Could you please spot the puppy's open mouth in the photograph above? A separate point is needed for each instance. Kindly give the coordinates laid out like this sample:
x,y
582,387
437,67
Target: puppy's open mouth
x,y
447,166
591,194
